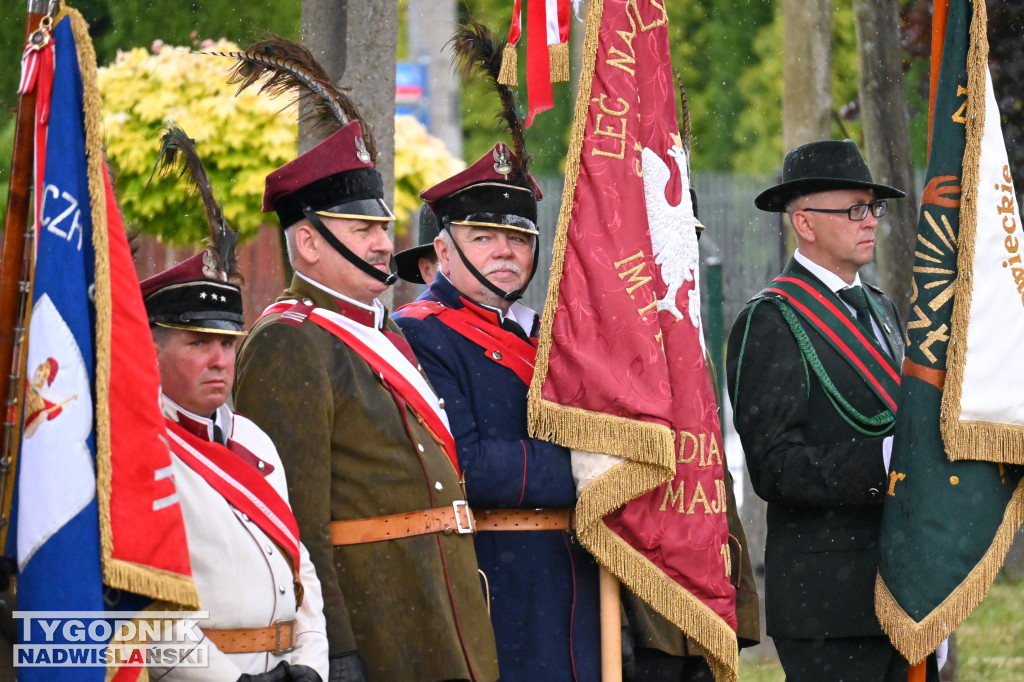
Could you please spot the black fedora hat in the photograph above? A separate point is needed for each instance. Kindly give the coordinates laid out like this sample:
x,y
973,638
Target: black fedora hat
x,y
819,167
407,261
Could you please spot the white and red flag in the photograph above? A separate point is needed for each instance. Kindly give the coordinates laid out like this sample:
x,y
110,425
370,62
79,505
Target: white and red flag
x,y
96,505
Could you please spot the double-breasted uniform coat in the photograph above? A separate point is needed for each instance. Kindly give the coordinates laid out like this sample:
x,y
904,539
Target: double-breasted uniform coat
x,y
243,578
542,584
413,607
823,478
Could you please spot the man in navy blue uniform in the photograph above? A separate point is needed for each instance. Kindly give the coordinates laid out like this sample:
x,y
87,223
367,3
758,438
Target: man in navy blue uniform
x,y
477,345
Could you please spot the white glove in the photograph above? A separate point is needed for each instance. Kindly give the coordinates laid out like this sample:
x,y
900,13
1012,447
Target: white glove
x,y
586,466
942,653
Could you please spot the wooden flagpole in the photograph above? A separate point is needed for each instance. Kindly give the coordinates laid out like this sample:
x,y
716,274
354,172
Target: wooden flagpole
x,y
13,275
611,628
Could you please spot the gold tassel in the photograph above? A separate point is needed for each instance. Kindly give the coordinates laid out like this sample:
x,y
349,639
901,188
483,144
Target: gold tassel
x,y
509,74
558,55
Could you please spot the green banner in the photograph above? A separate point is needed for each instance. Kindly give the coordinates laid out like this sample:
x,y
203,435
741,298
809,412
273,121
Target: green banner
x,y
947,525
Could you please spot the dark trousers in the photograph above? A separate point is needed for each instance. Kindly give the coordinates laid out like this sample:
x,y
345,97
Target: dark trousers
x,y
653,665
845,659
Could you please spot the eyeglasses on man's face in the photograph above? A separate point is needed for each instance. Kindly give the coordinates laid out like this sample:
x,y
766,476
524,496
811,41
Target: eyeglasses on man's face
x,y
857,212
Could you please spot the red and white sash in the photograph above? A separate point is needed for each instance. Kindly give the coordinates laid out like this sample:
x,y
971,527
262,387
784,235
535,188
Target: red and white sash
x,y
241,485
388,361
499,345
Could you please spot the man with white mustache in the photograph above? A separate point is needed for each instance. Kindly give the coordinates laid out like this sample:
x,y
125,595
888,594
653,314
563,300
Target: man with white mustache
x,y
478,344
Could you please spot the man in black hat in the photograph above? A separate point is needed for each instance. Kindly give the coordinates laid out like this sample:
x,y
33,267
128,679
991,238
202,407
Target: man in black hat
x,y
418,264
370,459
253,576
814,364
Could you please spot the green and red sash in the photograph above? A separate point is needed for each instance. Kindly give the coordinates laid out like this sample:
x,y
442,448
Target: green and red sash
x,y
499,345
828,316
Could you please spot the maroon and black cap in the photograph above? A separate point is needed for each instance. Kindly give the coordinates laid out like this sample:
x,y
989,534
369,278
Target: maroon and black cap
x,y
195,296
335,179
489,193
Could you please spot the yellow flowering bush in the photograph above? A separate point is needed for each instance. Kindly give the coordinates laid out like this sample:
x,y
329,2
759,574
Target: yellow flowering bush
x,y
240,139
421,161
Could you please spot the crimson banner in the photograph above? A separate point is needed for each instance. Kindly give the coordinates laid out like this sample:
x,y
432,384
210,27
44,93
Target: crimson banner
x,y
621,376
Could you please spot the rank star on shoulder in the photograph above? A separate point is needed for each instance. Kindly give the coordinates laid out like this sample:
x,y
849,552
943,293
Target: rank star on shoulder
x,y
202,295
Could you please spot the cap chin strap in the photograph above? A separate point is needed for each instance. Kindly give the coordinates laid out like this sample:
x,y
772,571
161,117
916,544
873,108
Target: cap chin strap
x,y
510,296
347,253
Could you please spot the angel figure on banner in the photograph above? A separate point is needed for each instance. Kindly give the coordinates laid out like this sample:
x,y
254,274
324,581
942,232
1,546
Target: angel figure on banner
x,y
40,404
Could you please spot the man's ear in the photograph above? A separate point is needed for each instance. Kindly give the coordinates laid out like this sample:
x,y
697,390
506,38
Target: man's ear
x,y
802,226
443,254
307,244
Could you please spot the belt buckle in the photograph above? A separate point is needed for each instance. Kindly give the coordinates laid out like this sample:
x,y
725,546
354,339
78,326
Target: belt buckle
x,y
278,627
470,524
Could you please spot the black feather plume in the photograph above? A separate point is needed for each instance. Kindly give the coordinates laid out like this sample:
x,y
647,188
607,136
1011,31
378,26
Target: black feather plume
x,y
288,67
684,123
476,51
178,149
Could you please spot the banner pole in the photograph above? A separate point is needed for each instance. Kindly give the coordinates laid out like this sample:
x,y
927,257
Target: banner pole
x,y
611,628
918,672
13,273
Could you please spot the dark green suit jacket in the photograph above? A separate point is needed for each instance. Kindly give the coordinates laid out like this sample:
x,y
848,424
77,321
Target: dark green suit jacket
x,y
414,607
823,479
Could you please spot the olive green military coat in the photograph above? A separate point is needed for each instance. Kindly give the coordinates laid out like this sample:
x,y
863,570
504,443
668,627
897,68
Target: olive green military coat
x,y
413,607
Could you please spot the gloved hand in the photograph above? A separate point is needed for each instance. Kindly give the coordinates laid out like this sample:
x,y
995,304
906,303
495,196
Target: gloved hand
x,y
278,674
348,668
303,673
628,653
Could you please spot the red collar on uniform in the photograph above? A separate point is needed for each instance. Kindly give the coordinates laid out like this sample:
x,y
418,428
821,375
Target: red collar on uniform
x,y
365,317
203,429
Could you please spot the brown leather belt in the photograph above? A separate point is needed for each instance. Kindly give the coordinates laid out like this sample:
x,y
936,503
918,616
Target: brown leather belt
x,y
278,638
457,518
522,519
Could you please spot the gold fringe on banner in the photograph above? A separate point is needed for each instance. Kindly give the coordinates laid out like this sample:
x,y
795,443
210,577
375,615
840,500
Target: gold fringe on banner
x,y
509,73
648,448
915,640
118,574
609,492
558,60
972,439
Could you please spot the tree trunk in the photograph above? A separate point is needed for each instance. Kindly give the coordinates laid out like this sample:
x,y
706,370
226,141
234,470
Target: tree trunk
x,y
806,77
887,140
357,43
430,23
806,71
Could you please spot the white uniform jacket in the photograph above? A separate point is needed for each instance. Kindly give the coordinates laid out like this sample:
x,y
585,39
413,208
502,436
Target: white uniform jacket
x,y
244,580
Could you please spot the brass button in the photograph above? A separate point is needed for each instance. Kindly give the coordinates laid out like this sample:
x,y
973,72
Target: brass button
x,y
280,588
438,487
440,403
419,446
496,355
873,493
269,548
261,466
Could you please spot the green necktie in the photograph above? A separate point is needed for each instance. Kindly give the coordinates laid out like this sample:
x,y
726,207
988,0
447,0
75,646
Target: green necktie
x,y
856,297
